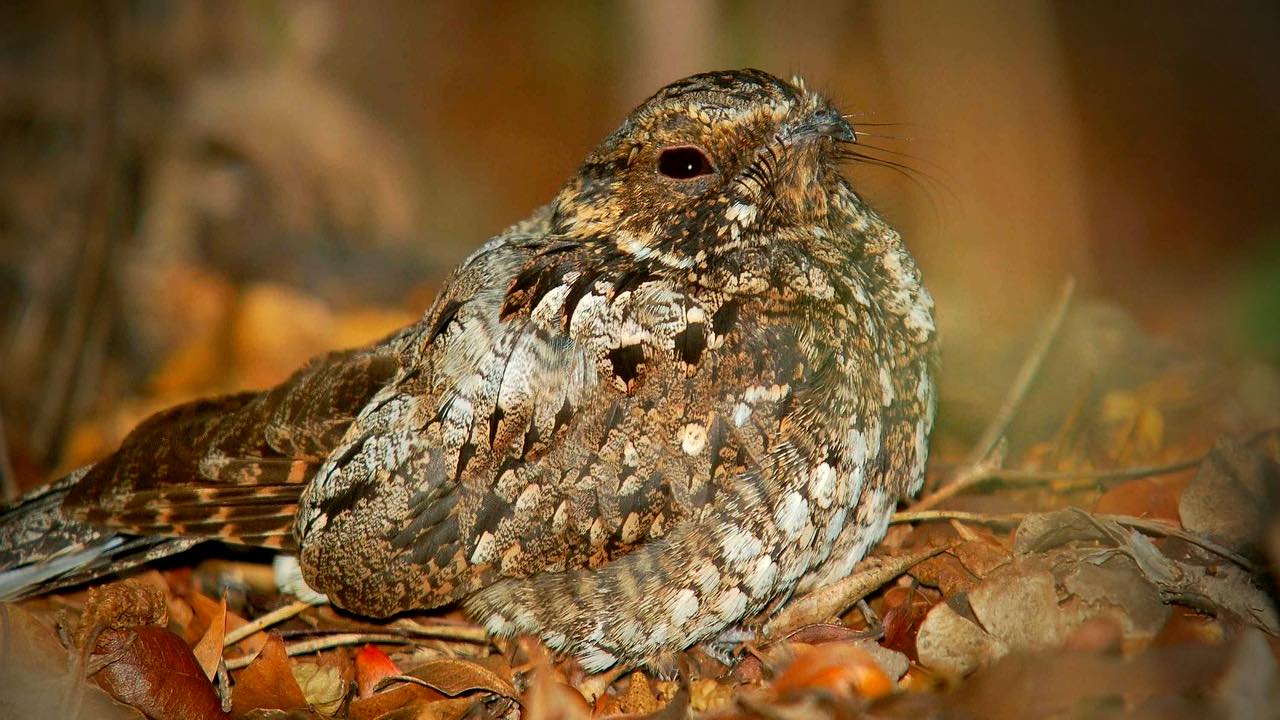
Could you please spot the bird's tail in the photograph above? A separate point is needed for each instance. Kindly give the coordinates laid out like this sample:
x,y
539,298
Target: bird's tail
x,y
41,549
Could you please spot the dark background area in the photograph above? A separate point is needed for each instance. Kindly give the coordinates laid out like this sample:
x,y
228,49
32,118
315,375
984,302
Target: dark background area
x,y
197,196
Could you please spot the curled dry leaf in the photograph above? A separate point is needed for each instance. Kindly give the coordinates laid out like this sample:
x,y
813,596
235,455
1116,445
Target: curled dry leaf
x,y
121,605
839,668
454,676
155,671
322,686
372,665
904,609
208,651
402,699
951,644
947,573
1233,497
268,682
1020,610
551,699
35,679
1212,584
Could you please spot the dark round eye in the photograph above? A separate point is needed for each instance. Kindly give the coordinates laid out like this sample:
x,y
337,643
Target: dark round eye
x,y
684,162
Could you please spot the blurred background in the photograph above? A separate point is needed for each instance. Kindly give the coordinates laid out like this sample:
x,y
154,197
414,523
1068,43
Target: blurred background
x,y
197,196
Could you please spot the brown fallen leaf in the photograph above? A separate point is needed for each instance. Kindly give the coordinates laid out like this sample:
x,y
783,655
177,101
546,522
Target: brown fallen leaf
x,y
35,680
947,573
137,660
1233,496
208,650
386,702
156,672
1020,610
268,682
838,668
904,609
447,709
372,665
454,676
1142,497
551,699
639,697
832,600
951,644
322,685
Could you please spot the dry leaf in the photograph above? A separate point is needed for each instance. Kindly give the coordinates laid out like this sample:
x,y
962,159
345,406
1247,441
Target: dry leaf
x,y
639,698
156,673
322,686
454,676
839,668
388,701
1233,496
1140,498
550,699
904,609
949,643
34,676
268,682
208,651
372,665
1020,610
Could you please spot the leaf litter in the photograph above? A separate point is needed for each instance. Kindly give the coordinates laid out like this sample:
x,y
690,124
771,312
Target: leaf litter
x,y
1094,572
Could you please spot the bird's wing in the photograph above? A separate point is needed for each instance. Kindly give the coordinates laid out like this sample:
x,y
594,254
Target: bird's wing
x,y
231,467
563,418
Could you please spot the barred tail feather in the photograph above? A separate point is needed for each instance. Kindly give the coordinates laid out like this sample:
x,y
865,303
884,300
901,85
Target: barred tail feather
x,y
42,550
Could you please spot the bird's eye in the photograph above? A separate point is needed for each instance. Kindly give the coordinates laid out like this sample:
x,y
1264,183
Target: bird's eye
x,y
684,162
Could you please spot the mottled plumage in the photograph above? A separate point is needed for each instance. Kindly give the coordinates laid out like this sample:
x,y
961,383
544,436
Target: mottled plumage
x,y
694,383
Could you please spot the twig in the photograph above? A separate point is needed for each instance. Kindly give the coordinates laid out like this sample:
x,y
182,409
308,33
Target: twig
x,y
1167,529
8,478
908,516
1026,375
67,361
271,618
460,633
970,476
1037,477
1147,525
324,643
980,462
833,599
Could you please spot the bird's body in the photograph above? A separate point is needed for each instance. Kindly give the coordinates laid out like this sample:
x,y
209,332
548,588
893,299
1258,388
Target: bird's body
x,y
694,383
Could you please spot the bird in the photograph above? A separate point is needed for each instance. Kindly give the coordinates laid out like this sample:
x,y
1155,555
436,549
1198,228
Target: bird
x,y
694,384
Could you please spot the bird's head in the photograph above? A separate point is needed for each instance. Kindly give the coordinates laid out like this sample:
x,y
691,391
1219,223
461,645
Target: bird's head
x,y
713,163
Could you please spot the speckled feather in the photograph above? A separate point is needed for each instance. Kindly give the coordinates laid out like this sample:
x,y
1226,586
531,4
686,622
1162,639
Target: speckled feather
x,y
656,408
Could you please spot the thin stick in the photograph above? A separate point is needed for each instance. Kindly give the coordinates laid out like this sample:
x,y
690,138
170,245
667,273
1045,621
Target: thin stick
x,y
834,599
1167,529
460,633
8,478
1026,375
271,618
324,643
1039,477
96,241
909,516
1147,525
979,464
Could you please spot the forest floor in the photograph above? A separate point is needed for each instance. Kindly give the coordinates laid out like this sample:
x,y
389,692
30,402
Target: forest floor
x,y
1122,566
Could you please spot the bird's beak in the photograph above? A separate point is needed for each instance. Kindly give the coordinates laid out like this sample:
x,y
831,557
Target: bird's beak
x,y
826,122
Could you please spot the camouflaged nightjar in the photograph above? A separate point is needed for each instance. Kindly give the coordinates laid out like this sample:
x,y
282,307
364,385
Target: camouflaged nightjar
x,y
693,384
